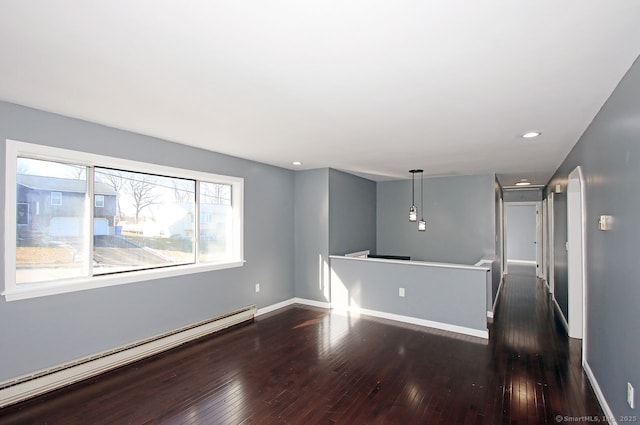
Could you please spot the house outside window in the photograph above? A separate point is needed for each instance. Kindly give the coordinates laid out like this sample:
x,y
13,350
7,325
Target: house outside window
x,y
141,225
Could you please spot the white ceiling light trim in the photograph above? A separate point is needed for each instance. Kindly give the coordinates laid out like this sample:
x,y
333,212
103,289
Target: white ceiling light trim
x,y
523,182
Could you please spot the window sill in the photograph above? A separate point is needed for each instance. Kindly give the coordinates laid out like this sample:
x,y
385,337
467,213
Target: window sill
x,y
43,289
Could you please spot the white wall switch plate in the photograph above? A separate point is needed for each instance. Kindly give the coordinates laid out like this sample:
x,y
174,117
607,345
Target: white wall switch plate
x,y
630,394
401,292
257,287
605,222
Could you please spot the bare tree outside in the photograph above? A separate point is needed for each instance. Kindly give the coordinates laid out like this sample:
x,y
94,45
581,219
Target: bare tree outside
x,y
183,191
142,190
78,172
214,193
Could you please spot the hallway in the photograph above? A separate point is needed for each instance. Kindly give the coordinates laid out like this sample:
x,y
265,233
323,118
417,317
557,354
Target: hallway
x,y
537,367
304,365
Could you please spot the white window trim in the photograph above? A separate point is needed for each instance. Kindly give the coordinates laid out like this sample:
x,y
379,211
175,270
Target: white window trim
x,y
58,198
14,291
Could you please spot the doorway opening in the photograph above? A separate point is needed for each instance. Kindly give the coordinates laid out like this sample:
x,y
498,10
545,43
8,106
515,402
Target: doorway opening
x,y
523,234
549,246
576,255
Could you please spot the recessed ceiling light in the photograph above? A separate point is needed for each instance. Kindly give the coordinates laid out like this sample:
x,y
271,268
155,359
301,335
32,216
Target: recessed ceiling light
x,y
531,135
523,182
296,163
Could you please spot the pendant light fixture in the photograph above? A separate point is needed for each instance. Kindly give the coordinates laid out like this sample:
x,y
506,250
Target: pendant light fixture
x,y
422,225
413,211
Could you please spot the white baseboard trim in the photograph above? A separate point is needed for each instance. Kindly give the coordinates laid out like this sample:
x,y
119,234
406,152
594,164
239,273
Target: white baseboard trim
x,y
31,385
313,303
291,301
596,389
415,321
381,314
562,318
523,262
274,307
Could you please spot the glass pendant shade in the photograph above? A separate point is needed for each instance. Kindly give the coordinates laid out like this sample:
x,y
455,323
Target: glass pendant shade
x,y
422,225
413,213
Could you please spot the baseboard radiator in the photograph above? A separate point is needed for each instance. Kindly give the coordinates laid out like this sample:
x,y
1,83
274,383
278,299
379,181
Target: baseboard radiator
x,y
37,383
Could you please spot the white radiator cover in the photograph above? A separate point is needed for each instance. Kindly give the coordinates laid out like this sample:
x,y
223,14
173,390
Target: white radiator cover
x,y
37,383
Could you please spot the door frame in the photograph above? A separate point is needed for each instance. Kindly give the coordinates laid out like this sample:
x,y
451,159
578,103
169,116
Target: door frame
x,y
576,257
538,241
503,243
551,242
545,241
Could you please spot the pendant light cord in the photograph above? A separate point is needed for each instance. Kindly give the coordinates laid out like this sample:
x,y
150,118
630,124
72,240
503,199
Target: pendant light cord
x,y
421,198
413,188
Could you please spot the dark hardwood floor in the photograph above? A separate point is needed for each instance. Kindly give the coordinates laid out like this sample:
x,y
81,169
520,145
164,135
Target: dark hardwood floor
x,y
309,366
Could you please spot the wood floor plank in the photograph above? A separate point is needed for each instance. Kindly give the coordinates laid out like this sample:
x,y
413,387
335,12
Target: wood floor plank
x,y
303,365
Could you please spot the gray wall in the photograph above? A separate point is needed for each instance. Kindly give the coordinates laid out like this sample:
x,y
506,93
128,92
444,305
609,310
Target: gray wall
x,y
446,295
352,213
496,265
530,195
609,152
334,213
312,234
520,223
460,215
47,331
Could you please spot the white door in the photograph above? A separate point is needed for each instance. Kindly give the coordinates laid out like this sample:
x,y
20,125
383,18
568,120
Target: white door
x,y
538,241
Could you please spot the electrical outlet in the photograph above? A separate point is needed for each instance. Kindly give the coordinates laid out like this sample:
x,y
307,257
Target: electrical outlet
x,y
630,392
401,292
257,287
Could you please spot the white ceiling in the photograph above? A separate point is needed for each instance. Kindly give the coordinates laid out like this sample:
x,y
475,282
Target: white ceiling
x,y
369,86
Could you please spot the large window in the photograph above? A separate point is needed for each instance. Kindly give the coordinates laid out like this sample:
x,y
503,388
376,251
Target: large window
x,y
139,226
